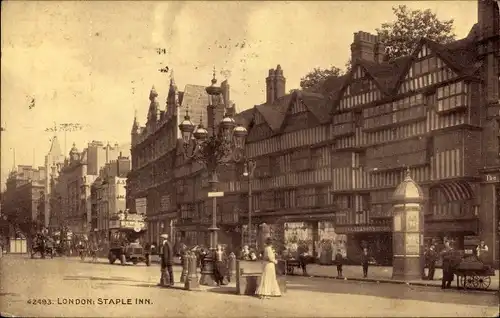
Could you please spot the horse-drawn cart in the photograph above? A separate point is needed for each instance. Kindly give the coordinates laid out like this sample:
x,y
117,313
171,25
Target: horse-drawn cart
x,y
299,262
472,273
43,245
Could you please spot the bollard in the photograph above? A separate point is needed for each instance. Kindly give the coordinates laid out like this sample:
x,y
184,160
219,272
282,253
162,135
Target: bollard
x,y
192,282
231,267
185,267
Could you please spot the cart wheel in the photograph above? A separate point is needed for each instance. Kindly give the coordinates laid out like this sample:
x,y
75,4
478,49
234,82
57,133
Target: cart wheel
x,y
475,281
483,282
468,281
462,280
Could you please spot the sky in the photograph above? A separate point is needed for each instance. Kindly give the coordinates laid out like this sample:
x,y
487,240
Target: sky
x,y
94,63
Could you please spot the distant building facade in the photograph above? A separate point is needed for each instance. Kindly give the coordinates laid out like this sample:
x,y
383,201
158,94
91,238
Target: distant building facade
x,y
73,204
108,193
53,163
24,199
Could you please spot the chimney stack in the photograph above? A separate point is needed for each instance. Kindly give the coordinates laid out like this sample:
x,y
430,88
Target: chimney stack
x,y
367,47
275,85
488,18
279,83
270,87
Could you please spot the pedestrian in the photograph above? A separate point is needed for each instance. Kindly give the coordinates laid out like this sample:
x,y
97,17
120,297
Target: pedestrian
x,y
245,253
268,285
365,259
167,258
481,250
339,259
430,261
446,255
220,267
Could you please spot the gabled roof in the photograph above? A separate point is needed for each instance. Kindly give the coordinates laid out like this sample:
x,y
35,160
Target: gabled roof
x,y
314,102
381,73
275,113
460,55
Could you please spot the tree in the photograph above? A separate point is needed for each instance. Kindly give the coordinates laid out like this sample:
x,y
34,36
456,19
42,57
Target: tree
x,y
402,36
313,80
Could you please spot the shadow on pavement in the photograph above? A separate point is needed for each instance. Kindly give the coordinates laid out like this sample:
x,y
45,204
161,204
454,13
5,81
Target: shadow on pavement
x,y
118,279
9,294
395,291
226,290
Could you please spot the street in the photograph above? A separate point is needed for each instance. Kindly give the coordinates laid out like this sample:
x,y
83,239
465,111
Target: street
x,y
70,282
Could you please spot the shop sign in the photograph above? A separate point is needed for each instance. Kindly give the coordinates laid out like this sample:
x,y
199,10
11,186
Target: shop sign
x,y
365,228
492,177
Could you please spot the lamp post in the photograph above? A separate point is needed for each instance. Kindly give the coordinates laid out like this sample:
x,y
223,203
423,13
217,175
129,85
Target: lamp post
x,y
219,145
248,172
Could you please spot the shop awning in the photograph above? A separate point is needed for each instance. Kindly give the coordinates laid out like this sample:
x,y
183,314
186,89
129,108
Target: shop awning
x,y
457,190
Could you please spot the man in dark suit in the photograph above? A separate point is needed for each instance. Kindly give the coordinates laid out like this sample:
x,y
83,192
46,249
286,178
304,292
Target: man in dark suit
x,y
447,266
167,260
430,259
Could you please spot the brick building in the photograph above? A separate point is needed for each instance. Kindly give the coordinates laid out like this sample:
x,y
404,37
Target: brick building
x,y
158,180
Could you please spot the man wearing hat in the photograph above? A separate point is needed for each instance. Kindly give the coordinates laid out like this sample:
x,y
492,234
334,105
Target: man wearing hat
x,y
167,259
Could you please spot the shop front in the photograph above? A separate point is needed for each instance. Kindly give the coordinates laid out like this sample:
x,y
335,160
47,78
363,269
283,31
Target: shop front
x,y
377,238
453,231
310,232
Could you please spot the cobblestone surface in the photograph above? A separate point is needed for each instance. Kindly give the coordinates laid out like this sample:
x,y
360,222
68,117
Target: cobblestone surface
x,y
67,279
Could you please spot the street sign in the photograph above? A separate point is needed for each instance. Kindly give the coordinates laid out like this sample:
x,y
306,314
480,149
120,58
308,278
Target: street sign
x,y
215,194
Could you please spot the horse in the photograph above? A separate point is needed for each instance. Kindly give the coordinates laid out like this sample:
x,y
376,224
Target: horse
x,y
41,245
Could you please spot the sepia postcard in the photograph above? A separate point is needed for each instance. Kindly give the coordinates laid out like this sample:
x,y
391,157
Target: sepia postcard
x,y
250,158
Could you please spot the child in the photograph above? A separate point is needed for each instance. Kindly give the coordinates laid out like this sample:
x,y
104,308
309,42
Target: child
x,y
365,258
338,260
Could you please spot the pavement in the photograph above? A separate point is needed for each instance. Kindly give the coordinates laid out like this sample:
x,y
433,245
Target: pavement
x,y
67,287
381,274
376,274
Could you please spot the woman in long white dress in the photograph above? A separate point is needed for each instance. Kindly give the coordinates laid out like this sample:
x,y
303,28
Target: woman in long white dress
x,y
268,285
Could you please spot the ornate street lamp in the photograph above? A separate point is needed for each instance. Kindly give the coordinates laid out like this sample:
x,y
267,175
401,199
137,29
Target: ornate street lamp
x,y
248,173
219,145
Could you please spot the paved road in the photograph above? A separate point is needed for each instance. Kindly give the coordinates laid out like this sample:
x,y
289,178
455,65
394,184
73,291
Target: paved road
x,y
62,279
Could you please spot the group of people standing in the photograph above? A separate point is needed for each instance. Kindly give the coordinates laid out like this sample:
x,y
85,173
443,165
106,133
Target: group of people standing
x,y
449,261
268,285
167,261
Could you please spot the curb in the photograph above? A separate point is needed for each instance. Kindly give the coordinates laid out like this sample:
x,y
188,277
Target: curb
x,y
398,282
